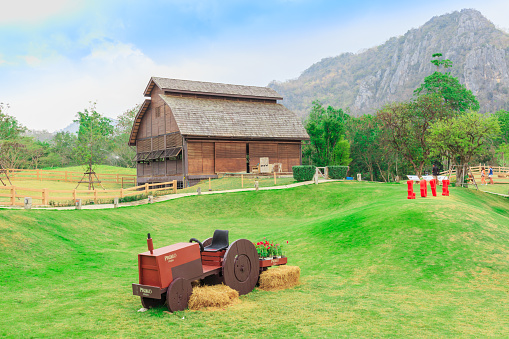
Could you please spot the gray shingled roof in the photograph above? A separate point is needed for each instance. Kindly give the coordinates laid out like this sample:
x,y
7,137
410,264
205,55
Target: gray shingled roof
x,y
215,88
236,119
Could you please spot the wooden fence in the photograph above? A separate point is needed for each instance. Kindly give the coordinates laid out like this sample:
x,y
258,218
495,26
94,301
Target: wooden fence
x,y
45,195
476,170
69,176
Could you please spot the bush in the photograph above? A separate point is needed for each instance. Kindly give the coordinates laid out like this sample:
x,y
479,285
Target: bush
x,y
337,172
303,173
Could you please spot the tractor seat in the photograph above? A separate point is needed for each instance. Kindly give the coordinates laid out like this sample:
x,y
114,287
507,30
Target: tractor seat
x,y
219,241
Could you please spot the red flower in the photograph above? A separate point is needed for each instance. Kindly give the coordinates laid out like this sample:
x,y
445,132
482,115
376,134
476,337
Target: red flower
x,y
287,241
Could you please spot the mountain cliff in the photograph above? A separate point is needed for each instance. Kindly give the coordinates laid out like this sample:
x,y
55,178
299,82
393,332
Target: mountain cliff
x,y
390,72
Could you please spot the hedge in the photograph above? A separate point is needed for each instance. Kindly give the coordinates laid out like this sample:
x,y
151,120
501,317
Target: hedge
x,y
337,172
303,173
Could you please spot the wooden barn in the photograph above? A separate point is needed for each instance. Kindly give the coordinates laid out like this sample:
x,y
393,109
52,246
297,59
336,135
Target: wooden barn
x,y
190,130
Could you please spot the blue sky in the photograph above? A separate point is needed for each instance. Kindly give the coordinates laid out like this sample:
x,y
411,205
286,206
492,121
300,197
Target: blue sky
x,y
58,55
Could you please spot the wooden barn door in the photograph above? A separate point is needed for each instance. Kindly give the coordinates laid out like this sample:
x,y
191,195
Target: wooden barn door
x,y
200,158
289,156
259,150
230,157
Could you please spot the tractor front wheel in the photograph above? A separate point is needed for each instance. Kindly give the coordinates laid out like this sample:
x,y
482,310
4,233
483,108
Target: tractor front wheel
x,y
241,267
178,294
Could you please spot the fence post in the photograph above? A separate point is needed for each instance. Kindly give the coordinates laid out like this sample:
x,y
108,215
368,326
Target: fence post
x,y
242,180
210,185
95,195
118,178
121,192
45,196
122,182
175,186
13,195
28,203
146,187
74,195
65,176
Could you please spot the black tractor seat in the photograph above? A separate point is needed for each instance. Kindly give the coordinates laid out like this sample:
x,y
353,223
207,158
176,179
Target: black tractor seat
x,y
219,241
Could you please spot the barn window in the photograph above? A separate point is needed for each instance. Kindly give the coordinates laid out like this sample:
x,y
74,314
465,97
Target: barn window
x,y
158,111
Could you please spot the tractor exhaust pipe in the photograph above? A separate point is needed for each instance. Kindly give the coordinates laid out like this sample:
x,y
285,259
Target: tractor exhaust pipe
x,y
150,244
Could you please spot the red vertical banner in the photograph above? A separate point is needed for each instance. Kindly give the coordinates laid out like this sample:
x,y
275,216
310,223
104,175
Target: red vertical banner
x,y
445,187
433,184
424,188
411,194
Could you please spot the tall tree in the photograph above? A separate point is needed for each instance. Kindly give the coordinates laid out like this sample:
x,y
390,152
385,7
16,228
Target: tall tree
x,y
448,87
325,127
364,136
94,137
407,125
123,154
463,136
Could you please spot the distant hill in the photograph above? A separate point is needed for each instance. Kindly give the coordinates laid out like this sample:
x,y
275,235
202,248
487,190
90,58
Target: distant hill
x,y
390,72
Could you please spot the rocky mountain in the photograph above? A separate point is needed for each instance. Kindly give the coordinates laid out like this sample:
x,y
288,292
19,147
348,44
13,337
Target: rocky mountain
x,y
390,72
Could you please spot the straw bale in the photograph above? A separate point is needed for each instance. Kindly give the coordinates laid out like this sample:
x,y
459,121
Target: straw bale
x,y
279,277
213,296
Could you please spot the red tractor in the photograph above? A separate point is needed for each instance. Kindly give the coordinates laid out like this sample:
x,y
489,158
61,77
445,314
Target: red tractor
x,y
165,274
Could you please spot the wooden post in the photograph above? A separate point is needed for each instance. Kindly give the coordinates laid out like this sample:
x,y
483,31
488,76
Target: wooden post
x,y
13,195
122,182
95,195
38,175
175,186
122,192
66,178
74,195
118,179
45,196
146,188
242,180
210,185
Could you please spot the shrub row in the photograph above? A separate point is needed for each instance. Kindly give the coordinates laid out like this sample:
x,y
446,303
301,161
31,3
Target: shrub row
x,y
303,173
337,172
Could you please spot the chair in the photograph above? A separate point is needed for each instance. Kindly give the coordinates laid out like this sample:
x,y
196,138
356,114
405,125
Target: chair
x,y
219,241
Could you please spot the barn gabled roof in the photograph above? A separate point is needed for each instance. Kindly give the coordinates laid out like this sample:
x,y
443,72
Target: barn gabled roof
x,y
211,88
203,117
137,122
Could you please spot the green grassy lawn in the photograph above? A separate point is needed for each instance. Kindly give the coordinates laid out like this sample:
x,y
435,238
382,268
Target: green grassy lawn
x,y
374,264
106,169
229,183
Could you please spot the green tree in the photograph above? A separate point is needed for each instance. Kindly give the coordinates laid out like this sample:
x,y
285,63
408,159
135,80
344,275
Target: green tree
x,y
326,127
448,87
407,123
10,128
94,137
462,137
502,151
62,150
123,154
364,136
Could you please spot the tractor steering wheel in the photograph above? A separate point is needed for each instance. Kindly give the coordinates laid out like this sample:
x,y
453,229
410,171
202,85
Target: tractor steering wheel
x,y
199,243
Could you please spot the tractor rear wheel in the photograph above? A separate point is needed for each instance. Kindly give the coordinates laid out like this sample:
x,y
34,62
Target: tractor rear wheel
x,y
152,303
178,294
241,267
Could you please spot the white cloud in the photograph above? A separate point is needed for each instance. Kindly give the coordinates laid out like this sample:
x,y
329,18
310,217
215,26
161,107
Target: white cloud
x,y
34,10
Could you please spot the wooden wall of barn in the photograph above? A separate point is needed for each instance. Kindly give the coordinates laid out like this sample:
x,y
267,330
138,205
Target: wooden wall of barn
x,y
211,157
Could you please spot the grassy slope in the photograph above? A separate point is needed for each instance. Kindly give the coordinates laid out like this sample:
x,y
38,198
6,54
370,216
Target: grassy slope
x,y
373,264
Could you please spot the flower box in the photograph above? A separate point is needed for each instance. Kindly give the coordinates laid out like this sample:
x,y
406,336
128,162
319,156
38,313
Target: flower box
x,y
267,262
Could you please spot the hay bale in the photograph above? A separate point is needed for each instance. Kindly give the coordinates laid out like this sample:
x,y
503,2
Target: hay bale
x,y
213,296
279,277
